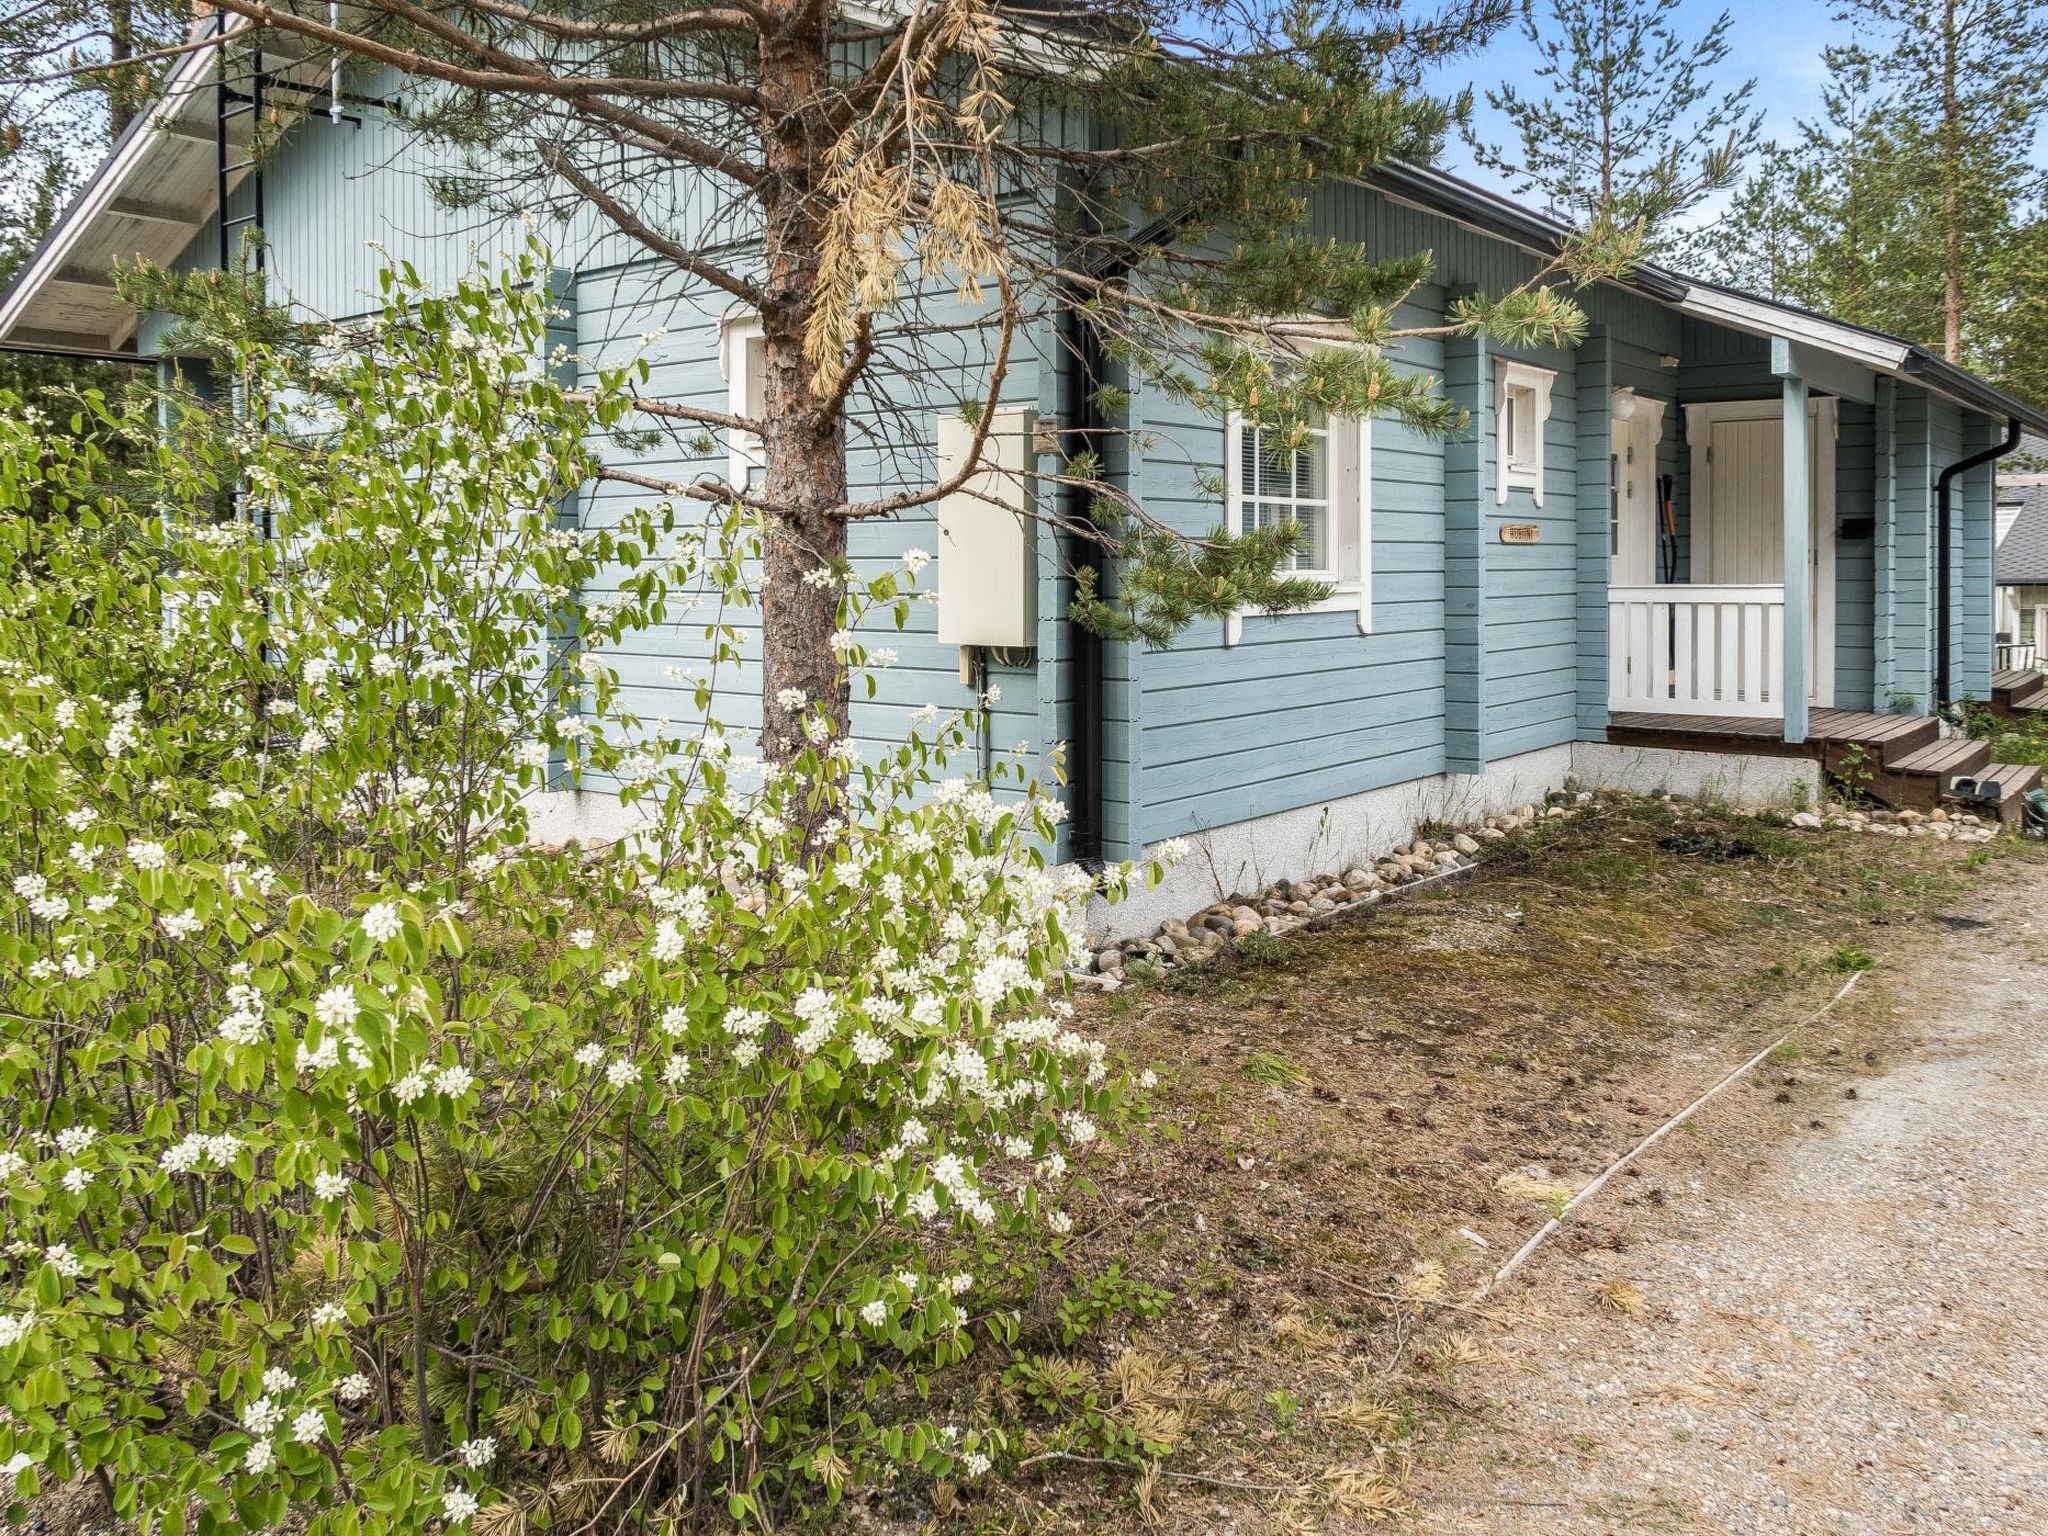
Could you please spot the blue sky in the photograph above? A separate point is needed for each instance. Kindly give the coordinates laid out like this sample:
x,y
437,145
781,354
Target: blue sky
x,y
1778,42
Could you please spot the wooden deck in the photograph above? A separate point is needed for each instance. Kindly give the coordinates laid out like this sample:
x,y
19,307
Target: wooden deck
x,y
1901,760
1898,735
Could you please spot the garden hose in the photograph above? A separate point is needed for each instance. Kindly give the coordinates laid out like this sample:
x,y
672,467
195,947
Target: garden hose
x,y
2034,813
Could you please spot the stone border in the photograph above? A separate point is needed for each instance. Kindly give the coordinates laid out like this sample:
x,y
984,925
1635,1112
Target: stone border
x,y
1289,905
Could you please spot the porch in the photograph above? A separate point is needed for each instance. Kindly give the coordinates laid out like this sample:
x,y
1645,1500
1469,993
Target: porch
x,y
1791,525
1721,600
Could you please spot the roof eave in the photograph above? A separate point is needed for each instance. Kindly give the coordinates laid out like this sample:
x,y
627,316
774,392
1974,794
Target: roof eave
x,y
127,152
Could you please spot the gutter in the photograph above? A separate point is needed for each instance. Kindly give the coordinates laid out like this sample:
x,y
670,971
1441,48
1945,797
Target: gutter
x,y
1944,377
1942,487
79,354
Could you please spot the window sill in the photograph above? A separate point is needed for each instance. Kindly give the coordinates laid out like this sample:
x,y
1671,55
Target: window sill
x,y
1517,478
1348,597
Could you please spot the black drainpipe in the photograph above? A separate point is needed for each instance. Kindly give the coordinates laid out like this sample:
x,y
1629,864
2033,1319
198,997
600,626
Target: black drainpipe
x,y
1083,376
1944,539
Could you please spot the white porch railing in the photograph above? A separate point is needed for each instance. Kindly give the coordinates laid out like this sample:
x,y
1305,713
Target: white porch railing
x,y
1687,650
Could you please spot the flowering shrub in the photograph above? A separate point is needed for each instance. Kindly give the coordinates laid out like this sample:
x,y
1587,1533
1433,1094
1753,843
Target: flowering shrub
x,y
374,1168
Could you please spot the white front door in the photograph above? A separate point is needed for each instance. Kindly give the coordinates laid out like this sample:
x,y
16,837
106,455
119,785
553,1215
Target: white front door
x,y
1632,510
1738,501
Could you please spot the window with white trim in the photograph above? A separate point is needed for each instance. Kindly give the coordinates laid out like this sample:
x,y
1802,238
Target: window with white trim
x,y
1278,483
1521,405
1320,483
743,358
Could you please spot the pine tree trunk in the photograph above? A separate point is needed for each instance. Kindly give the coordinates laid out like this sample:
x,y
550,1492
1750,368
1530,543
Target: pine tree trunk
x,y
803,439
1951,212
120,48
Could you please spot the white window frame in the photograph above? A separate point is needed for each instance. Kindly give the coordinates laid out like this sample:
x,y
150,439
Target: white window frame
x,y
743,451
1349,530
1523,470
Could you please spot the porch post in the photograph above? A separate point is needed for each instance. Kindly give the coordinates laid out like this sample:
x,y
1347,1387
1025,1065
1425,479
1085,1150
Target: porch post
x,y
1798,515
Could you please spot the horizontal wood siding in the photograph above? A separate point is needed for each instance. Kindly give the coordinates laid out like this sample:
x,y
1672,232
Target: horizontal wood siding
x,y
1530,603
1973,496
330,190
1855,610
1913,586
1304,708
644,309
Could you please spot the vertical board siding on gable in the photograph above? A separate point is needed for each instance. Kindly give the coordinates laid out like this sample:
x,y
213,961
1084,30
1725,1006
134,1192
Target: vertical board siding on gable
x,y
1304,708
1855,605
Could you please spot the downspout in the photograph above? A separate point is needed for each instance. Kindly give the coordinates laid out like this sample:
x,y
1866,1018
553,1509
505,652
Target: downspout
x,y
1083,378
1944,540
1082,406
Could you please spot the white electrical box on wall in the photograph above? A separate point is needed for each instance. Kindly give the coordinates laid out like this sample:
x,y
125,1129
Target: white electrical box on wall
x,y
988,542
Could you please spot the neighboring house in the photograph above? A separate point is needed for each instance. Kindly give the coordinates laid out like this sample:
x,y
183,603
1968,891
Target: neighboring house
x,y
2020,568
1702,548
2021,573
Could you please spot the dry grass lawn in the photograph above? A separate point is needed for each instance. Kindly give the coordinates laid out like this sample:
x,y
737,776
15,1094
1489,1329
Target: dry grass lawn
x,y
1267,1325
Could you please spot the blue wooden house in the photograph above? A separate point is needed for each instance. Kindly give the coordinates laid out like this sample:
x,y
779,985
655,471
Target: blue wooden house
x,y
1720,545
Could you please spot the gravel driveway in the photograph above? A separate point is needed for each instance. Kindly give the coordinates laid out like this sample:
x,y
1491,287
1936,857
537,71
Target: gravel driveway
x,y
1849,1336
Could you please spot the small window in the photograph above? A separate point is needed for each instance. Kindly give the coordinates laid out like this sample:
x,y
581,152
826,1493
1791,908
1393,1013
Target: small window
x,y
1281,484
1521,407
1323,485
1613,505
2029,630
744,358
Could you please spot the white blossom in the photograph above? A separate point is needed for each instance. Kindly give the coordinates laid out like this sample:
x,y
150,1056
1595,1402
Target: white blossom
x,y
337,1007
262,1416
75,1140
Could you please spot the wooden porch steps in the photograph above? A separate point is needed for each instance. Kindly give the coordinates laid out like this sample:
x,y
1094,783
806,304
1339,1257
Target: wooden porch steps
x,y
1934,768
2018,691
1901,760
2014,780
